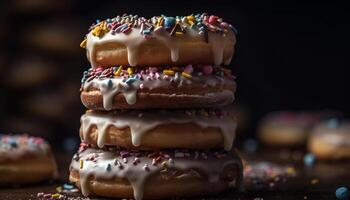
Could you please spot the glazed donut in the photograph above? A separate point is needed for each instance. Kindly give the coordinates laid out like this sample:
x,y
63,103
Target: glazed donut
x,y
154,175
331,140
24,160
159,129
135,41
172,87
286,128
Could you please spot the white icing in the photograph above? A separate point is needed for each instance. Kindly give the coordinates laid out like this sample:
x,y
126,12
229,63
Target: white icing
x,y
137,175
129,91
141,124
135,38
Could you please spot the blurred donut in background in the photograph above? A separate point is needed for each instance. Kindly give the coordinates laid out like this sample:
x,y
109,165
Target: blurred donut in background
x,y
25,160
288,128
56,37
30,71
330,140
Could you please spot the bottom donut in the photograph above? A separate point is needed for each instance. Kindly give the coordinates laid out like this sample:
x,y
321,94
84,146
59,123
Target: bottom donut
x,y
154,174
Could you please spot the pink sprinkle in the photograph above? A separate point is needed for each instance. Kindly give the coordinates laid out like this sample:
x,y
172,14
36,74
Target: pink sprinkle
x,y
99,69
157,75
40,194
213,19
154,162
136,161
224,25
145,167
153,69
142,86
207,69
188,69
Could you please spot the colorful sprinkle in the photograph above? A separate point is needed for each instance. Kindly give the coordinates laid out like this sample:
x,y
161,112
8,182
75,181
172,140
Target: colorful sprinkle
x,y
342,193
186,75
83,43
168,72
309,160
81,164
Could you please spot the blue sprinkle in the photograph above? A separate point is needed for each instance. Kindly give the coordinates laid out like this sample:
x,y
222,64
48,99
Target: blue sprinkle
x,y
342,193
13,143
309,160
146,32
333,123
109,167
169,22
130,80
68,186
110,83
97,21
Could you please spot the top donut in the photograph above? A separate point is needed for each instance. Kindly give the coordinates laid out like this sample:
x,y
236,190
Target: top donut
x,y
131,40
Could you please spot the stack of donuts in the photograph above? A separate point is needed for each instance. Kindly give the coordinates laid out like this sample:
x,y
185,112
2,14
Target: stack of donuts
x,y
155,125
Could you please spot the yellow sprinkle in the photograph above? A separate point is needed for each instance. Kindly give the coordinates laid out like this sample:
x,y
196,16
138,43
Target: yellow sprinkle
x,y
83,44
164,164
55,195
314,181
81,164
290,170
177,33
186,75
190,18
59,189
160,21
119,70
100,29
130,71
168,72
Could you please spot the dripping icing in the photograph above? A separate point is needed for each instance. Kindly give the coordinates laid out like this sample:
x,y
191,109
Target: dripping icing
x,y
149,120
110,87
136,174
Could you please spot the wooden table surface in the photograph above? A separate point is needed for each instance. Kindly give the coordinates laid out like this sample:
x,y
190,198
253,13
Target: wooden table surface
x,y
317,182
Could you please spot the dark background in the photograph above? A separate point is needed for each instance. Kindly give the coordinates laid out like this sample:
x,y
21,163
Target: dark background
x,y
290,56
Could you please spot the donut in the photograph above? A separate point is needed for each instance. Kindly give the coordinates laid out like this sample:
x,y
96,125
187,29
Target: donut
x,y
151,87
154,174
25,160
159,129
130,40
287,128
41,71
330,140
